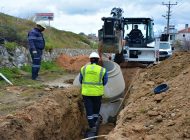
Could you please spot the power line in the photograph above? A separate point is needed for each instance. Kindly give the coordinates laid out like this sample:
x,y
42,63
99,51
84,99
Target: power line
x,y
168,14
181,4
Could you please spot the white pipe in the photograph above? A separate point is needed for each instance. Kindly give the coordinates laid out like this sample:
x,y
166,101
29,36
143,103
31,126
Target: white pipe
x,y
95,137
5,79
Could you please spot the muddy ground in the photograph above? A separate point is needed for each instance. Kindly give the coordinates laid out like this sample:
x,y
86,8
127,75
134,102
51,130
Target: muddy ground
x,y
55,111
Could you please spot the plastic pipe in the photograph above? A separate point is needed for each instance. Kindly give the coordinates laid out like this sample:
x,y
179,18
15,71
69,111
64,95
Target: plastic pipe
x,y
5,79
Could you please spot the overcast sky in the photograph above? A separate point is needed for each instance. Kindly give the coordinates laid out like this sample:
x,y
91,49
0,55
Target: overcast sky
x,y
85,15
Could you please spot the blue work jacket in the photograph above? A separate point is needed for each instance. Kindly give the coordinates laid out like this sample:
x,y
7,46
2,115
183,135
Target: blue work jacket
x,y
36,39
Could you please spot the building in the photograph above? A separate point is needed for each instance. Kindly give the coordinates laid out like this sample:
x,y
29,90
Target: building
x,y
184,37
172,33
184,34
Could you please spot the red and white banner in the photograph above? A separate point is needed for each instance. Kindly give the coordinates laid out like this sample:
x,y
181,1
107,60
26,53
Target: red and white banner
x,y
44,16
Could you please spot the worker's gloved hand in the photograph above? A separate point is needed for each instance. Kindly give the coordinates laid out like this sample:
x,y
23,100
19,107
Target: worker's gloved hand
x,y
34,53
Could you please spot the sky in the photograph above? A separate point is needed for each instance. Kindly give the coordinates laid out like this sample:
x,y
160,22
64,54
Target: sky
x,y
84,16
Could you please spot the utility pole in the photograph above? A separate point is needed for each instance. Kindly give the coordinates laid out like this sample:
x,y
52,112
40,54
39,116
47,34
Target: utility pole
x,y
169,5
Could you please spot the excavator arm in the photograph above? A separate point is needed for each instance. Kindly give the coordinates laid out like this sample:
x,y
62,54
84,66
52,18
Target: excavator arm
x,y
111,35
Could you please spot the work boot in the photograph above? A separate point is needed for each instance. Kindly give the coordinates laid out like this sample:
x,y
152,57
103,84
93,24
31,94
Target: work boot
x,y
91,132
38,79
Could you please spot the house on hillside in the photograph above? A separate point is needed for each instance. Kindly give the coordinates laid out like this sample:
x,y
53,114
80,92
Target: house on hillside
x,y
172,33
184,37
183,34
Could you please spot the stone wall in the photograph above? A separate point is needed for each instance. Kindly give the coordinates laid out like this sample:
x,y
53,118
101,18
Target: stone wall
x,y
20,55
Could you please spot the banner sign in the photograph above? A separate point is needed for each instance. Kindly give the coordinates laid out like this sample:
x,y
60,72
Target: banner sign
x,y
44,16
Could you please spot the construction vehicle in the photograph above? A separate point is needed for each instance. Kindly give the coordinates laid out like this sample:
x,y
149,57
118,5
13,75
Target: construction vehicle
x,y
165,47
115,34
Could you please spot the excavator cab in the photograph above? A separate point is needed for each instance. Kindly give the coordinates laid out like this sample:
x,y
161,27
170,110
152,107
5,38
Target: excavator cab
x,y
139,31
142,47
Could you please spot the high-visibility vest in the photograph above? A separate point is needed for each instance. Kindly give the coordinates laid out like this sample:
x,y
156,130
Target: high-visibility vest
x,y
92,83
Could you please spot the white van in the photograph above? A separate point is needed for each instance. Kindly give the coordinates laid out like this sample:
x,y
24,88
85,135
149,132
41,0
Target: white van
x,y
165,50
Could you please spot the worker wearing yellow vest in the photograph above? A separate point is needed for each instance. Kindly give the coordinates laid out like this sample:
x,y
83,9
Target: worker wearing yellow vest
x,y
93,79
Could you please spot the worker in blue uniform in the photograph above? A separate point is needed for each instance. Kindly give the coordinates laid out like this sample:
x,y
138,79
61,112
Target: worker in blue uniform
x,y
93,79
36,46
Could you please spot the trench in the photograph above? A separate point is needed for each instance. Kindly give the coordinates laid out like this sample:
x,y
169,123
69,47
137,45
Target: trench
x,y
111,102
61,114
120,79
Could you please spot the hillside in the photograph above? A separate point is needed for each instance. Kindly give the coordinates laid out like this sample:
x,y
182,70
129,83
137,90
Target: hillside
x,y
15,30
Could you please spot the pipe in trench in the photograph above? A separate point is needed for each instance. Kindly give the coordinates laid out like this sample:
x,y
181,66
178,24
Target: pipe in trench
x,y
113,90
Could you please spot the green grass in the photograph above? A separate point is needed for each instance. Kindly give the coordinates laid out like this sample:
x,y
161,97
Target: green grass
x,y
15,30
15,75
10,45
9,72
50,66
45,66
26,68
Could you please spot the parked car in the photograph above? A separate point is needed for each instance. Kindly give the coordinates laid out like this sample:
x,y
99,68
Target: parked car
x,y
165,50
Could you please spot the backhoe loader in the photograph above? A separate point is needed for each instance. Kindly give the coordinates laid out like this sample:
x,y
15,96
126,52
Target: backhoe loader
x,y
114,36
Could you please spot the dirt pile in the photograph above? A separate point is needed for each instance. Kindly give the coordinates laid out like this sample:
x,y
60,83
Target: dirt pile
x,y
58,116
72,64
165,116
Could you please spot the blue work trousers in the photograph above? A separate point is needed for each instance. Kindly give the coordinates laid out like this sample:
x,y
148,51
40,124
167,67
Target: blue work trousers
x,y
36,62
92,105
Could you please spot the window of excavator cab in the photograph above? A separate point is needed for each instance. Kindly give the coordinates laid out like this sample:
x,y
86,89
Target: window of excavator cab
x,y
132,26
150,32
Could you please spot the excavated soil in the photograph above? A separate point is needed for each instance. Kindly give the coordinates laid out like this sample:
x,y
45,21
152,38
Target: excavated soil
x,y
56,112
57,116
164,116
72,64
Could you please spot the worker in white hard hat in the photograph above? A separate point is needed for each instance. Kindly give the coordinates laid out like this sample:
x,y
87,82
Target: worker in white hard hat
x,y
36,46
41,25
135,35
93,79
